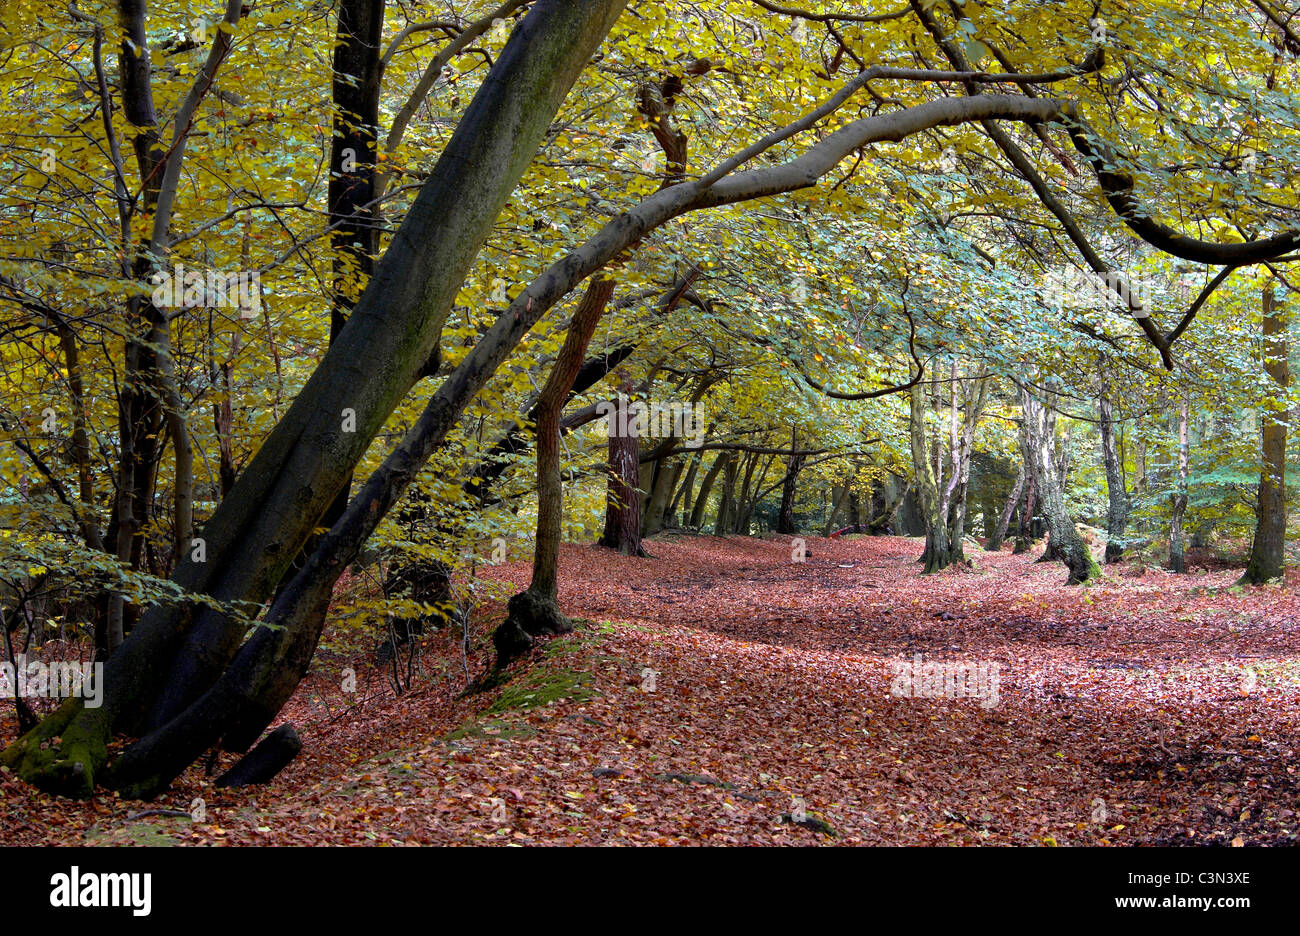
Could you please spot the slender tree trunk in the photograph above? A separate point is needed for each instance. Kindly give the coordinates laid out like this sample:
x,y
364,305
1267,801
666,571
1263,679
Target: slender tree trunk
x,y
726,510
706,488
741,506
840,499
999,533
1177,541
683,496
963,441
937,554
1267,553
1116,495
785,518
1025,530
535,611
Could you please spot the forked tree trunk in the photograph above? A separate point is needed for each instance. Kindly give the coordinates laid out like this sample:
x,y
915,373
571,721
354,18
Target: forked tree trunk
x,y
1038,439
1267,553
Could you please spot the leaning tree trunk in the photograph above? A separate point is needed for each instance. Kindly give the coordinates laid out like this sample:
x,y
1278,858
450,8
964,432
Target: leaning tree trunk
x,y
663,483
706,488
880,524
1267,553
1038,428
1177,541
837,507
999,534
535,611
1117,506
165,675
937,554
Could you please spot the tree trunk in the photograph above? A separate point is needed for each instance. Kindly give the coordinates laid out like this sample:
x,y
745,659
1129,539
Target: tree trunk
x,y
963,441
706,488
726,510
661,493
785,518
837,507
937,553
1025,529
1267,553
1177,541
999,533
1117,507
1038,438
535,611
623,494
683,497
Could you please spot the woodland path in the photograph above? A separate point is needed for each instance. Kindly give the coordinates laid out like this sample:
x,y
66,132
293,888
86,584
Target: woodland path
x,y
770,692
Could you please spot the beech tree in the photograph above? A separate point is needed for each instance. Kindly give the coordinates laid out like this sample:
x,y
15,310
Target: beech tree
x,y
1268,550
188,674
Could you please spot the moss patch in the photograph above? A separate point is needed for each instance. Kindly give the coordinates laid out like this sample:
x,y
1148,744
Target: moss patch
x,y
543,688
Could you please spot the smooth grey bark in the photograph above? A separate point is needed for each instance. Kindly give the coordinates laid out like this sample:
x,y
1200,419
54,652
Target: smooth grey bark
x,y
1038,428
1177,541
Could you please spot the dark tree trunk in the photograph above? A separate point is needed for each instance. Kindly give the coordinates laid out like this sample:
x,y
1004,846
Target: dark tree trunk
x,y
354,239
1267,553
785,518
623,494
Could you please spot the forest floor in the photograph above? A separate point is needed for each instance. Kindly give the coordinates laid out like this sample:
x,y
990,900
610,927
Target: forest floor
x,y
718,690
